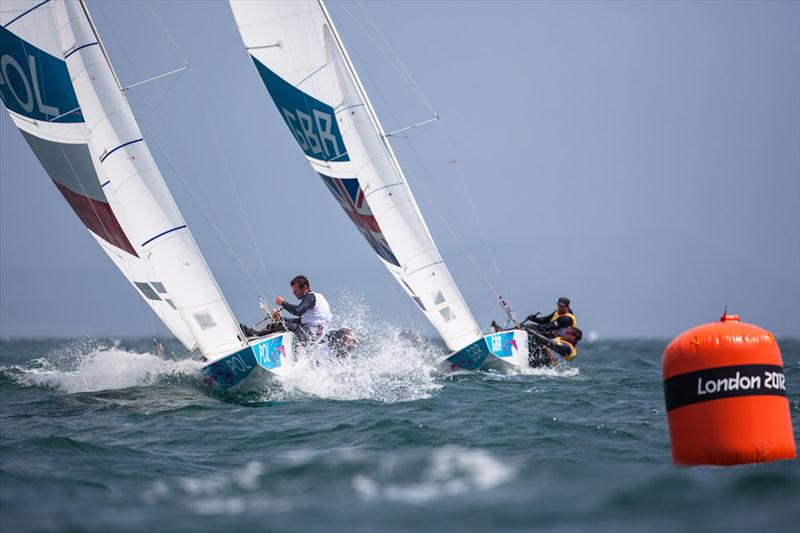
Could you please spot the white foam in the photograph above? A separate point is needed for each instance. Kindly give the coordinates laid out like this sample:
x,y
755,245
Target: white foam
x,y
82,369
244,478
561,371
387,366
233,492
450,471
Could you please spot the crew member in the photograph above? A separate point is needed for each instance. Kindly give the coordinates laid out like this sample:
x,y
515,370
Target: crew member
x,y
560,327
313,312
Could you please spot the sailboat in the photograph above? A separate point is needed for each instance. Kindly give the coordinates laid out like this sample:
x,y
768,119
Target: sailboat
x,y
302,62
60,89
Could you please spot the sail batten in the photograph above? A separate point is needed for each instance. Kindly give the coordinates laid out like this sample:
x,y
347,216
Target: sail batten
x,y
319,96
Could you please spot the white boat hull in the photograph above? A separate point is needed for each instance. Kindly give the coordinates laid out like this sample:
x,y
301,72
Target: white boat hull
x,y
265,356
498,351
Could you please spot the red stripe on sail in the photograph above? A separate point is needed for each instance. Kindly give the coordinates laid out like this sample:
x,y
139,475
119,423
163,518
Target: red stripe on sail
x,y
98,217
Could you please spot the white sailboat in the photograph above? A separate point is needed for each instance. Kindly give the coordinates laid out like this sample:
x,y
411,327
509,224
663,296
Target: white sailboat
x,y
303,63
60,90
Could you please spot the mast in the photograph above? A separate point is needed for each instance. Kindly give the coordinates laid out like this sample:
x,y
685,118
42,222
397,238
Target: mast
x,y
373,115
176,270
307,72
96,33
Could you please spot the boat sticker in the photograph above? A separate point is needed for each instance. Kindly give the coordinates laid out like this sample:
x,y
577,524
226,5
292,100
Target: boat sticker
x,y
501,344
268,353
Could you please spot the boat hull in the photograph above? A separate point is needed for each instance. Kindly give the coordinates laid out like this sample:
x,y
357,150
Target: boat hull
x,y
264,356
504,350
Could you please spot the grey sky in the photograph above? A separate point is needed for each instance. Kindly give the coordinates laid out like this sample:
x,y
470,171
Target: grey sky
x,y
641,158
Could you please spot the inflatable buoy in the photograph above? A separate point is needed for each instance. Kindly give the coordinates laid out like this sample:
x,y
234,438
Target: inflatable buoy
x,y
726,395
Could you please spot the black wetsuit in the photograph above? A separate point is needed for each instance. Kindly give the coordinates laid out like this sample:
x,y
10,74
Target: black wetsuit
x,y
545,326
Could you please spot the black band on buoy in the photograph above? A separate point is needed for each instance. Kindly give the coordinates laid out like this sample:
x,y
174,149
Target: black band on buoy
x,y
724,382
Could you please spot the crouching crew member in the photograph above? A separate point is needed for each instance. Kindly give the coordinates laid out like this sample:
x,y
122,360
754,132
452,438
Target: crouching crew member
x,y
557,331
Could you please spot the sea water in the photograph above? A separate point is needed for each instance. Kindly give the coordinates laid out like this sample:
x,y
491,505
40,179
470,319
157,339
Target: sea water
x,y
102,435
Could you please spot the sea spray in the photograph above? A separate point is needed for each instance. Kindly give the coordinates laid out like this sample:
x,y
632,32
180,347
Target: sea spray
x,y
90,366
388,365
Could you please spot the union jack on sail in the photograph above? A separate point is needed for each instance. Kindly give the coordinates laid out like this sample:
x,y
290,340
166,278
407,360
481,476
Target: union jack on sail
x,y
351,198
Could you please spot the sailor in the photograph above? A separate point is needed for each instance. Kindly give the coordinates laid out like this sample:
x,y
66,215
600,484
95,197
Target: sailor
x,y
559,327
313,311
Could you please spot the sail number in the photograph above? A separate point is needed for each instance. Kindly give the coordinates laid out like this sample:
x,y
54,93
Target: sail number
x,y
268,354
34,83
29,89
315,134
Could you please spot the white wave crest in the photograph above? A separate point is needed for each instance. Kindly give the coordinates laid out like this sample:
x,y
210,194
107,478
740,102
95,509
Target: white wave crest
x,y
450,471
222,493
96,369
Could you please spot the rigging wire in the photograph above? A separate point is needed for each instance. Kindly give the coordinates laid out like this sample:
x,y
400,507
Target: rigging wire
x,y
394,60
207,216
402,70
124,259
229,176
405,74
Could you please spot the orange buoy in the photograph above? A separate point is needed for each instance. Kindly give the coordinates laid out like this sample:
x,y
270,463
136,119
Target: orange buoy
x,y
726,395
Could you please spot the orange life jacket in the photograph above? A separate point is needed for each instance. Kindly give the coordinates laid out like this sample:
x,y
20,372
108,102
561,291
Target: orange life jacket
x,y
569,335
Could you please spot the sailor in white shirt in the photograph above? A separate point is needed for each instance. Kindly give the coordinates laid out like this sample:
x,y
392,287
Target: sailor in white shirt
x,y
313,311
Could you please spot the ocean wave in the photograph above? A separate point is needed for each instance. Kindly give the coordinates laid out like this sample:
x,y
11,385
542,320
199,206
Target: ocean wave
x,y
87,368
449,471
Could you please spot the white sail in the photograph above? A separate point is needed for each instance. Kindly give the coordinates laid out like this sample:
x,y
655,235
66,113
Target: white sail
x,y
304,66
37,92
136,192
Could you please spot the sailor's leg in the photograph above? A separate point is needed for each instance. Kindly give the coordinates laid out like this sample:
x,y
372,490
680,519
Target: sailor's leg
x,y
273,327
299,330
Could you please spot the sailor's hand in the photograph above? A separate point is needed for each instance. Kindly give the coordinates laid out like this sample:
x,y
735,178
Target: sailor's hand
x,y
279,300
532,317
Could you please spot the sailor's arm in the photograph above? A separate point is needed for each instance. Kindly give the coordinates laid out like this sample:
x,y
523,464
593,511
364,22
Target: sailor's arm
x,y
308,302
558,323
544,319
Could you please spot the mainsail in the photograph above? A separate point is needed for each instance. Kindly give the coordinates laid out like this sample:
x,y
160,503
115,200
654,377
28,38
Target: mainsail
x,y
307,72
61,92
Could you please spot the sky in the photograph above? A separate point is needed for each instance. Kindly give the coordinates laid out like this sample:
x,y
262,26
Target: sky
x,y
641,158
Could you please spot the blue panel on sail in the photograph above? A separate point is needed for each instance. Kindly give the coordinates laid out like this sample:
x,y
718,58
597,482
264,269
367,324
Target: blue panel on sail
x,y
312,122
35,84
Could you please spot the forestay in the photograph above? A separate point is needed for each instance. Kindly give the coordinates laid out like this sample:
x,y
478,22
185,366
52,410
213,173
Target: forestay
x,y
60,91
304,66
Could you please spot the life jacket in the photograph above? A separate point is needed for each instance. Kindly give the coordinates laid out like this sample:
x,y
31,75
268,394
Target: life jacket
x,y
556,316
572,351
569,335
318,317
572,335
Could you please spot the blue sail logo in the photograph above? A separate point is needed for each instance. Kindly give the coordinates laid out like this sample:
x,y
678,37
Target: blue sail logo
x,y
35,84
312,122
